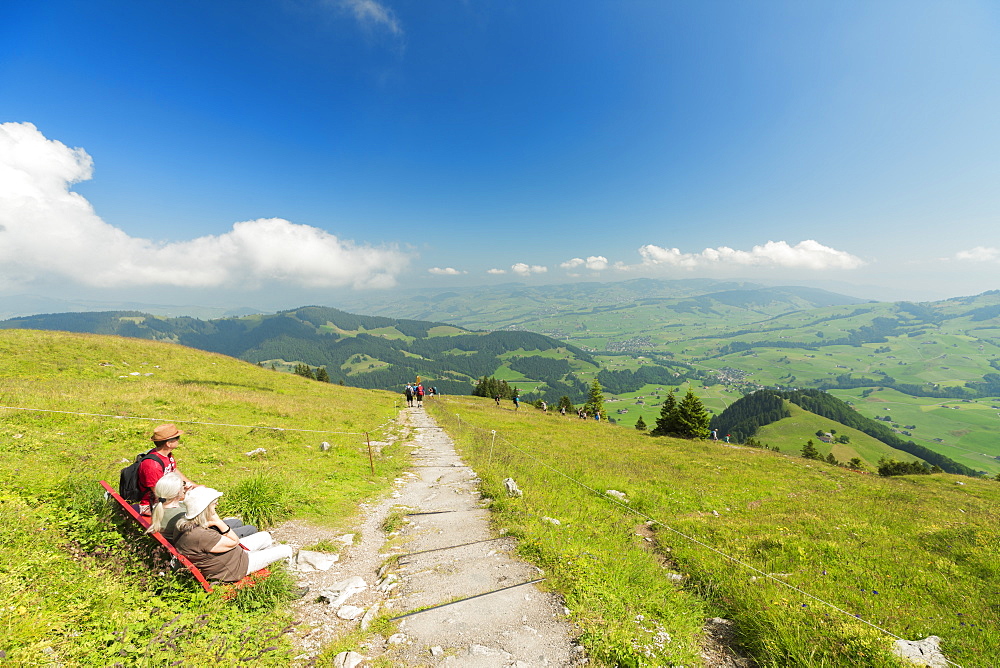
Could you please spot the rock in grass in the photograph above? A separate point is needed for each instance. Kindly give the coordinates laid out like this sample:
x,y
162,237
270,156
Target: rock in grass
x,y
512,488
618,495
370,616
551,520
343,590
924,652
347,660
324,446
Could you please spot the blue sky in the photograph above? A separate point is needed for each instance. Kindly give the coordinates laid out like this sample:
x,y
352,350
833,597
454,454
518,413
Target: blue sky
x,y
283,152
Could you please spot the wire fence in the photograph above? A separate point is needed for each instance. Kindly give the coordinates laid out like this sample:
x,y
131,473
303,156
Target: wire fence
x,y
494,437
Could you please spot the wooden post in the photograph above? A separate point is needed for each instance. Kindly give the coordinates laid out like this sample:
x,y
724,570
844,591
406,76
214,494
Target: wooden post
x,y
370,460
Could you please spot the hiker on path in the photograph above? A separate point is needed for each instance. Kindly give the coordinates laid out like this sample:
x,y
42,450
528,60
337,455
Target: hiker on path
x,y
517,402
409,395
715,434
420,396
165,438
214,547
496,398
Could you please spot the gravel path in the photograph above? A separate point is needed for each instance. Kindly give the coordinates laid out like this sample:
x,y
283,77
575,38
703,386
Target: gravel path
x,y
443,554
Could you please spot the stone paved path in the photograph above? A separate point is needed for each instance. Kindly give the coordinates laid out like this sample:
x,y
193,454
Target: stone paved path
x,y
518,626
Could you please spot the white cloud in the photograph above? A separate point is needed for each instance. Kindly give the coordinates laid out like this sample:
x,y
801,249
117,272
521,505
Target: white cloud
x,y
496,271
807,254
522,269
371,14
979,254
446,271
594,263
48,231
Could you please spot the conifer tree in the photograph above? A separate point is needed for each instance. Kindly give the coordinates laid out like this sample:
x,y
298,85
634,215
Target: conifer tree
x,y
564,402
830,459
666,424
322,375
595,402
692,418
640,424
809,450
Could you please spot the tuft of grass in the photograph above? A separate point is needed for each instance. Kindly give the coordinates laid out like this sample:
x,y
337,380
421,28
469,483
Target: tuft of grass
x,y
261,500
325,545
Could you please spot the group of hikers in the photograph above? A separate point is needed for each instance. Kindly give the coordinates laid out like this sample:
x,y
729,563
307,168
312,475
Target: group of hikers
x,y
415,391
185,514
544,407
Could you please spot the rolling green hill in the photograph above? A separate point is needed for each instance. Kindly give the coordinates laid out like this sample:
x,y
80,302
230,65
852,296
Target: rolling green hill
x,y
803,557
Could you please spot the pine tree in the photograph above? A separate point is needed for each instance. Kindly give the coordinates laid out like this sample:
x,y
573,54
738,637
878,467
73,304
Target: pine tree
x,y
666,424
564,402
595,402
304,370
809,450
692,418
322,375
830,459
640,424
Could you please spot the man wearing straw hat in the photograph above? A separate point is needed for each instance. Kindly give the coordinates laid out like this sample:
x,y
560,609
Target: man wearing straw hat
x,y
160,461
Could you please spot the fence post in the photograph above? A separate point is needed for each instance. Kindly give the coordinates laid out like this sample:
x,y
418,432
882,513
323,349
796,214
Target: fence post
x,y
492,443
371,461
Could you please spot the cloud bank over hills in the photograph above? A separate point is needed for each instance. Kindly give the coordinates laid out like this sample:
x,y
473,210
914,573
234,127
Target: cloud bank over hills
x,y
49,231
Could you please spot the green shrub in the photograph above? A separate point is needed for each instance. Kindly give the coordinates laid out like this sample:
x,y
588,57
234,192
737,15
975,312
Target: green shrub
x,y
261,500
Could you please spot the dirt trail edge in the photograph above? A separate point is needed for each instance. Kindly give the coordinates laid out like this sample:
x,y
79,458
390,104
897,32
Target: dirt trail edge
x,y
489,611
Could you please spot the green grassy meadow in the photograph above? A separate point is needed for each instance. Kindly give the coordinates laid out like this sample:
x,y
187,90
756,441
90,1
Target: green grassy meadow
x,y
76,409
817,564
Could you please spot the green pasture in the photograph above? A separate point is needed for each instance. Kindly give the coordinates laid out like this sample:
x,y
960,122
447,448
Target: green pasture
x,y
965,431
790,434
76,409
816,564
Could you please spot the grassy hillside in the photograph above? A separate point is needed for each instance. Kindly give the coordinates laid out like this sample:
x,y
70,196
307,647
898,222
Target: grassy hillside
x,y
75,408
790,434
816,554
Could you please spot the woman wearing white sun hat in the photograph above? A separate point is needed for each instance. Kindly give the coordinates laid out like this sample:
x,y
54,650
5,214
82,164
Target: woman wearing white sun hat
x,y
213,546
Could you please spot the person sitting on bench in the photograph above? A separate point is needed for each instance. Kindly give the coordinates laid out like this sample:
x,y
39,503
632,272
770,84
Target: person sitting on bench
x,y
169,508
213,546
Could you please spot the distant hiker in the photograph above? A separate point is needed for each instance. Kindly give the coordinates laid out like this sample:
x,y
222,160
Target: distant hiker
x,y
420,396
166,438
517,402
545,407
715,434
727,438
434,391
597,415
409,395
214,547
496,398
562,410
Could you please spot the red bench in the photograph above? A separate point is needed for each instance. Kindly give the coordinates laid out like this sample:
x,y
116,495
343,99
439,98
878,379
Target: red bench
x,y
230,589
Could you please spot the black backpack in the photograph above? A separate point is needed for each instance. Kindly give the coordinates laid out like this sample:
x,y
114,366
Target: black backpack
x,y
128,481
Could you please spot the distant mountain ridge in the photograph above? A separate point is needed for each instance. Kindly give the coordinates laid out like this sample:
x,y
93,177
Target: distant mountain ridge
x,y
362,351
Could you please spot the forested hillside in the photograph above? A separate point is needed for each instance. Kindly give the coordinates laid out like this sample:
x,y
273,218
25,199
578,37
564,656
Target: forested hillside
x,y
362,351
763,407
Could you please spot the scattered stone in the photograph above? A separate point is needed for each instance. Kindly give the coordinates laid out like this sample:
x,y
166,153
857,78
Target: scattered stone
x,y
324,446
338,594
512,488
397,639
347,539
924,652
715,512
551,520
370,616
437,651
675,577
350,612
388,583
307,561
258,451
347,660
618,495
